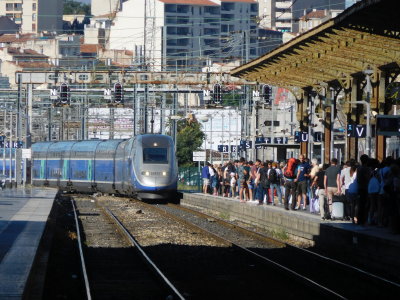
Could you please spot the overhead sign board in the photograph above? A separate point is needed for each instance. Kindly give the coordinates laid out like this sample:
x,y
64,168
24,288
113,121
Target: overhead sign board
x,y
199,156
300,136
356,130
26,153
223,148
388,125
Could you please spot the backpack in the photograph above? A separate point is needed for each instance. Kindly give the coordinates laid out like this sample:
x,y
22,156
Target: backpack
x,y
273,176
240,171
290,168
264,179
374,184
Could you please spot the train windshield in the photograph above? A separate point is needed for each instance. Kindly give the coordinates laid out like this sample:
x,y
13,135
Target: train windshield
x,y
155,155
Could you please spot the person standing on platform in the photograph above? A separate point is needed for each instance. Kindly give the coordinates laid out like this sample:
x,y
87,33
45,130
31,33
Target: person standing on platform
x,y
253,175
363,176
314,170
289,173
274,177
345,180
212,172
262,183
302,175
319,184
205,175
332,182
241,179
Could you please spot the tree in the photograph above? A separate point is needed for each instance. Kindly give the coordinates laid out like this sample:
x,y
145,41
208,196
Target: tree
x,y
189,139
72,7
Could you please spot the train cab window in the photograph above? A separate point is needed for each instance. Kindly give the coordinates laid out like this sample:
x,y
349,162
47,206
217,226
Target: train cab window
x,y
155,155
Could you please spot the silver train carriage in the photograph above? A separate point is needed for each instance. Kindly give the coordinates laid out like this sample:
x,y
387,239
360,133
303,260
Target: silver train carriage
x,y
144,166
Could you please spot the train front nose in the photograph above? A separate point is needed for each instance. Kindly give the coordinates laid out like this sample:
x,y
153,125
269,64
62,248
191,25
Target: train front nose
x,y
159,179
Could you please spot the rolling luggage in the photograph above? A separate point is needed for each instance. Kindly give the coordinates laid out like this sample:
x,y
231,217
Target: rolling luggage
x,y
337,208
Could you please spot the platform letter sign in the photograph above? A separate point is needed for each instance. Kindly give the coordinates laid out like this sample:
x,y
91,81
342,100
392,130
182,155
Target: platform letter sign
x,y
260,140
281,140
245,145
223,148
15,144
300,137
317,136
361,131
233,148
358,131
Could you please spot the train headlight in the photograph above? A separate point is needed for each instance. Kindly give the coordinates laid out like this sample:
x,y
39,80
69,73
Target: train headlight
x,y
155,144
164,173
146,173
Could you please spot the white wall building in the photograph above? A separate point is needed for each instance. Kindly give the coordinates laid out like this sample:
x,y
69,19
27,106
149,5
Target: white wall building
x,y
104,7
98,31
34,15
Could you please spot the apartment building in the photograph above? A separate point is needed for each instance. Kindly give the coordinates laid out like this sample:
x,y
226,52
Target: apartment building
x,y
187,34
34,16
284,15
315,18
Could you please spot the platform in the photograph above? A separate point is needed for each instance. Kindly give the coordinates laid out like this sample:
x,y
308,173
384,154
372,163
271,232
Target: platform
x,y
378,246
23,217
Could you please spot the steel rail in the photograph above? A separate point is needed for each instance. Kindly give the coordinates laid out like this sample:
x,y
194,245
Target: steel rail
x,y
285,244
326,291
148,260
82,258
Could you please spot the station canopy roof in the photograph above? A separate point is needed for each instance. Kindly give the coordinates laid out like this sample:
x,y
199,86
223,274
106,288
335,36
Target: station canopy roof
x,y
364,36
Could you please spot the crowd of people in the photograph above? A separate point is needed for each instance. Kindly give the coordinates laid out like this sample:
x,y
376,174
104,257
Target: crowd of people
x,y
368,189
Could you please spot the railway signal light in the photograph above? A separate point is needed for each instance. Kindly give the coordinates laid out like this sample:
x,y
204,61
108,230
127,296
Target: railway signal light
x,y
64,94
118,93
266,92
217,93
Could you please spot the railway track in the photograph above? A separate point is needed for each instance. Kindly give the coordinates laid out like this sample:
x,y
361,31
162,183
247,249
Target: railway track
x,y
203,265
333,277
113,265
208,258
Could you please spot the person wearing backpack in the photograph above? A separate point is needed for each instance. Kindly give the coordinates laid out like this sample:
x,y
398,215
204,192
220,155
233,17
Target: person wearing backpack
x,y
274,179
262,183
302,176
290,184
243,177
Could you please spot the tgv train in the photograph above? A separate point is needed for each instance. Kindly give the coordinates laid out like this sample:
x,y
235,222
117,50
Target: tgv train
x,y
144,166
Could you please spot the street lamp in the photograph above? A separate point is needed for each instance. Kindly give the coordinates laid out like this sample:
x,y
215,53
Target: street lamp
x,y
175,119
368,88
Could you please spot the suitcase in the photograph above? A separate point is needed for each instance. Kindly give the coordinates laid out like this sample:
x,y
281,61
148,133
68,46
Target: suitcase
x,y
337,211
